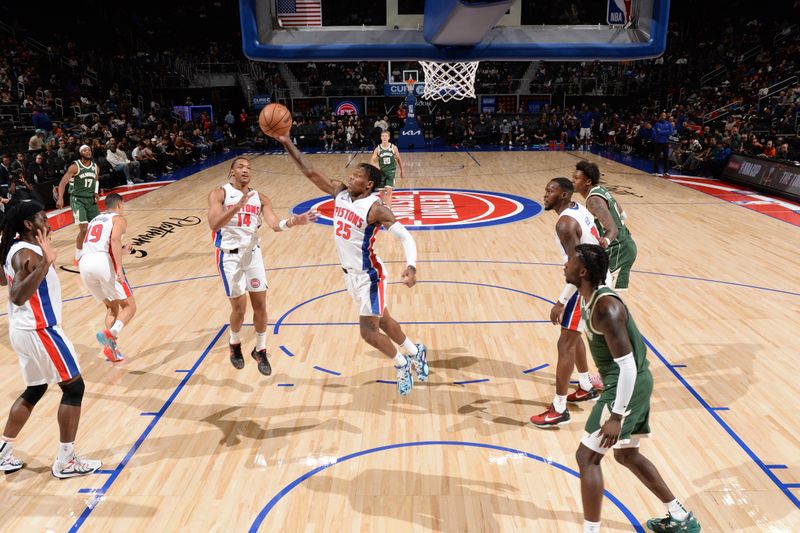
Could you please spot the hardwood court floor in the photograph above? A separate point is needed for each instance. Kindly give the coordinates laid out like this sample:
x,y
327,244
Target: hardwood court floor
x,y
191,444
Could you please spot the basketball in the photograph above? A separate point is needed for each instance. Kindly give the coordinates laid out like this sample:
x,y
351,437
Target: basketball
x,y
275,119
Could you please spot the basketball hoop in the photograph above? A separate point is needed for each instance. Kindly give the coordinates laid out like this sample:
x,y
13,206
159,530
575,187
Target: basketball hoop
x,y
449,81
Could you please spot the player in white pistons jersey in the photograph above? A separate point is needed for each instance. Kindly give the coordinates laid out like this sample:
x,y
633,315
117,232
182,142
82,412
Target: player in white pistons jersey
x,y
103,275
235,214
575,226
45,353
358,216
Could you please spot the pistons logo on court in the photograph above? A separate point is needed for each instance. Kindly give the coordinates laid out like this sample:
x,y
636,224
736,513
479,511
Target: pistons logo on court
x,y
346,108
442,209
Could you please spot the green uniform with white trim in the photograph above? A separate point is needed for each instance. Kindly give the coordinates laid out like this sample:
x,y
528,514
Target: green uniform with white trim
x,y
84,186
622,250
388,164
636,420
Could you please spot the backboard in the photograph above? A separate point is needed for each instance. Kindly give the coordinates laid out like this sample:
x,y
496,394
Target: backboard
x,y
450,30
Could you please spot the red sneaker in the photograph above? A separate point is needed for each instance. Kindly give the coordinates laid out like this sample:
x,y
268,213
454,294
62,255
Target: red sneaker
x,y
551,417
581,395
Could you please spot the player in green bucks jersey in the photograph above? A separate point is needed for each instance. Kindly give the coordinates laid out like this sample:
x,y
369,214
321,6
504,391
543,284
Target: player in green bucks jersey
x,y
610,220
83,178
621,416
387,158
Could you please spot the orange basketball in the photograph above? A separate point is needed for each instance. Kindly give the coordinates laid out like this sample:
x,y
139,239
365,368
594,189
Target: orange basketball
x,y
275,119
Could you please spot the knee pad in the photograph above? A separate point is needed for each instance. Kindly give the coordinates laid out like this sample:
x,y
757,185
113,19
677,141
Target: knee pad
x,y
33,393
72,392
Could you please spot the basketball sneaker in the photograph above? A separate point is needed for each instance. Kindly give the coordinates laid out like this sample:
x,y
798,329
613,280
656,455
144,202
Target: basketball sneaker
x,y
550,418
75,466
237,359
670,525
581,395
109,344
404,380
263,363
113,355
421,363
9,463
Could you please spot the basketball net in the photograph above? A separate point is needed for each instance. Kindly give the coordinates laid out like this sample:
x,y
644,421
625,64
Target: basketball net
x,y
449,81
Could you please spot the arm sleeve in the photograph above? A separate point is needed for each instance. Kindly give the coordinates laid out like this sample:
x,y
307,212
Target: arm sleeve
x,y
398,231
626,383
566,294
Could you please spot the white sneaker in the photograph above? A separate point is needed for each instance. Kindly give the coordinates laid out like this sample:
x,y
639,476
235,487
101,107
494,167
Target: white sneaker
x,y
9,464
75,466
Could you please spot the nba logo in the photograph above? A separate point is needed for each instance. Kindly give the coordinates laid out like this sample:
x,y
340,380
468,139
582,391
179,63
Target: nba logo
x,y
619,12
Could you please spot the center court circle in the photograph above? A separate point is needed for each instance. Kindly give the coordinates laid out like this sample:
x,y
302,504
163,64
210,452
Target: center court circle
x,y
441,209
254,527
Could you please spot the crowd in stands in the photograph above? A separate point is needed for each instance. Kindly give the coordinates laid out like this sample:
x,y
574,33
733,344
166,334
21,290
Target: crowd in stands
x,y
720,95
130,142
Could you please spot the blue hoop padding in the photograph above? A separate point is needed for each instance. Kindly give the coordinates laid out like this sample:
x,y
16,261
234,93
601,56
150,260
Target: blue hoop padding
x,y
493,50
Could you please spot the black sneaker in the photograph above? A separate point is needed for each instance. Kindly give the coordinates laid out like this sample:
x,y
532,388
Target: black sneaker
x,y
263,363
237,359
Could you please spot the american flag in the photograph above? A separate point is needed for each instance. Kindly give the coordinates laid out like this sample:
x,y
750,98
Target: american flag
x,y
299,13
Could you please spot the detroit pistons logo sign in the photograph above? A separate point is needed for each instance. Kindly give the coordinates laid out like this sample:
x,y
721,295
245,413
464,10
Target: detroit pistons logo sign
x,y
346,108
443,209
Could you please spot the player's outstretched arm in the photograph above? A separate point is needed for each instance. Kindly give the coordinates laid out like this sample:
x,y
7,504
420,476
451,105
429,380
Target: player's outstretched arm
x,y
610,318
567,231
30,269
118,227
380,214
325,184
71,171
276,224
399,161
599,208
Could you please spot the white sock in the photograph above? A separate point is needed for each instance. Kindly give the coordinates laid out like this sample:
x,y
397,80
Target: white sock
x,y
261,341
6,446
235,337
409,347
677,511
399,360
560,403
591,527
65,451
116,328
584,381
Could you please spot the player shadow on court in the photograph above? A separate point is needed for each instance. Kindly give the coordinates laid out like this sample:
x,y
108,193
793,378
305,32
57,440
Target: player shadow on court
x,y
729,364
147,378
204,444
493,498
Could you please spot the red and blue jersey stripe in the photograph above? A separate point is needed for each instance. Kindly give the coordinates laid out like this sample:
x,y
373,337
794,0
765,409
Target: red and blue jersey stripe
x,y
372,266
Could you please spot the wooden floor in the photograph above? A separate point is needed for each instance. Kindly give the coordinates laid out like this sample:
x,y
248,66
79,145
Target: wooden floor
x,y
191,444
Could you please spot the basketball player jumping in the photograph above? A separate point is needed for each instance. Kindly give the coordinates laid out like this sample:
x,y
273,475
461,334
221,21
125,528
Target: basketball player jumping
x,y
610,220
386,156
621,417
103,276
45,353
84,186
358,216
234,215
575,226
